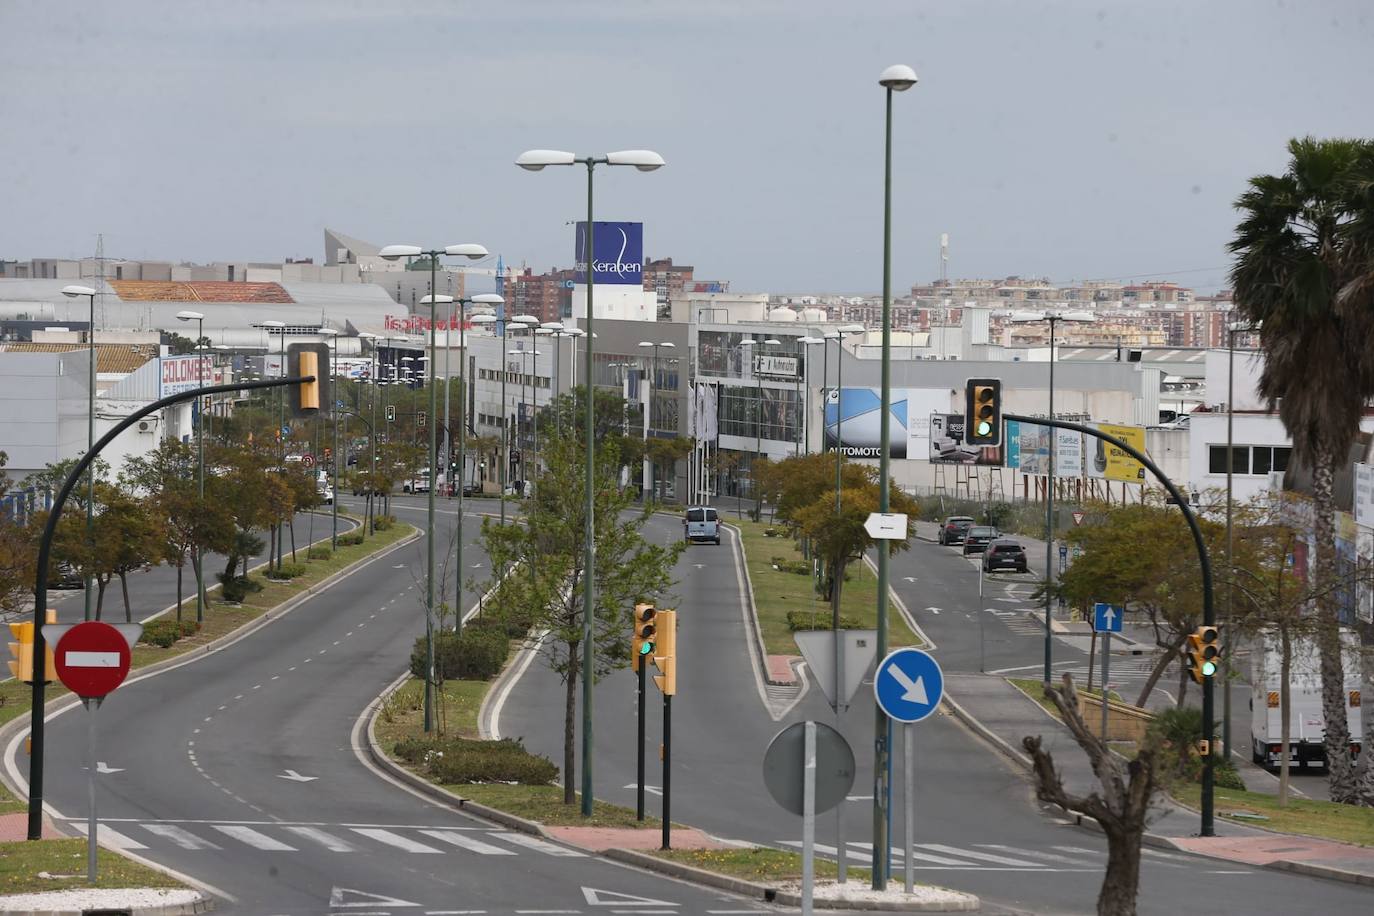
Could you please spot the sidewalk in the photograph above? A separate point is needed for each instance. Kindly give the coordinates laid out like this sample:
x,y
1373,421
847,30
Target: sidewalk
x,y
1003,715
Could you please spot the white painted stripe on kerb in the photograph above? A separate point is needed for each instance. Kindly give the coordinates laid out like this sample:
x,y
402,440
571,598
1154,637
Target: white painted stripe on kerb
x,y
90,659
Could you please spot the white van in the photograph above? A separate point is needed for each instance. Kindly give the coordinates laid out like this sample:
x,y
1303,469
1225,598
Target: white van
x,y
701,524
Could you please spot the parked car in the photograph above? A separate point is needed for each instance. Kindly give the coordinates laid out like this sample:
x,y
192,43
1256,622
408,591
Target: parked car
x,y
978,538
62,577
326,494
701,523
419,483
1004,554
954,529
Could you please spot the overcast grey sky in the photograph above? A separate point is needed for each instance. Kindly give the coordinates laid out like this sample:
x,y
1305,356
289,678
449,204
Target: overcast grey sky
x,y
1064,139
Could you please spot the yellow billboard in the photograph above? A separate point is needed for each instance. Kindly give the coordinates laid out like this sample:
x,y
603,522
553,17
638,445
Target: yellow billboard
x,y
1107,462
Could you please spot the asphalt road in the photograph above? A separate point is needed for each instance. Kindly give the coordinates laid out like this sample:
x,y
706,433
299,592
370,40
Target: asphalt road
x,y
241,769
978,826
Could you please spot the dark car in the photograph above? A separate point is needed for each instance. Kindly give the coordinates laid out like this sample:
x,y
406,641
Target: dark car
x,y
954,529
62,577
1004,554
978,538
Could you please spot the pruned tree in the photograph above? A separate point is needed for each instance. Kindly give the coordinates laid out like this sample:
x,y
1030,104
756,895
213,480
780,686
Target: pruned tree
x,y
1121,807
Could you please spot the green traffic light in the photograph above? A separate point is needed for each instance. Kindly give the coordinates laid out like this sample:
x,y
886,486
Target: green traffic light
x,y
646,647
984,427
1209,668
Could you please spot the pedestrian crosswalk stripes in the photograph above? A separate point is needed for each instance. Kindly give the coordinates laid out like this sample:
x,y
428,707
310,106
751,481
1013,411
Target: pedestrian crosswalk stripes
x,y
990,857
268,836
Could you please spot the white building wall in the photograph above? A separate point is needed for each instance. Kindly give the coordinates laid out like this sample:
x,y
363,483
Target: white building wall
x,y
619,301
43,408
1248,366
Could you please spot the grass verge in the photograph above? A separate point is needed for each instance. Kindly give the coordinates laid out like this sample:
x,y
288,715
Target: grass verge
x,y
64,863
756,864
1306,816
545,805
1035,689
221,618
777,592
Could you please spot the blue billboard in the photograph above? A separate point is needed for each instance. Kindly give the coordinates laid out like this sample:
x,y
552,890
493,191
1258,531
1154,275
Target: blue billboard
x,y
618,255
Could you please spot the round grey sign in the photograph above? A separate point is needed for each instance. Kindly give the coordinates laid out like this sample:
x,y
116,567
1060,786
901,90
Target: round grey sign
x,y
784,761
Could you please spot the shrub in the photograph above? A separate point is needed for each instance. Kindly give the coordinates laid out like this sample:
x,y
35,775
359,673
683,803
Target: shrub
x,y
352,539
319,552
475,655
235,588
286,571
820,620
799,567
189,628
1176,732
455,761
161,633
383,522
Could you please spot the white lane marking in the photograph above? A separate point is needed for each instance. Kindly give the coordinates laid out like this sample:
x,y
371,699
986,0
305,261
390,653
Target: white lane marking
x,y
111,837
970,854
396,840
254,838
327,840
538,845
1033,854
257,686
466,842
183,838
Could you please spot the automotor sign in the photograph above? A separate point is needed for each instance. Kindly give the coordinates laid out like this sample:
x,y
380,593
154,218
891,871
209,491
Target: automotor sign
x,y
183,373
617,256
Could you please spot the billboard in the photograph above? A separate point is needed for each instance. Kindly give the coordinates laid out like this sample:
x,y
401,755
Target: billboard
x,y
856,414
1364,494
618,257
947,444
1028,449
1106,462
184,373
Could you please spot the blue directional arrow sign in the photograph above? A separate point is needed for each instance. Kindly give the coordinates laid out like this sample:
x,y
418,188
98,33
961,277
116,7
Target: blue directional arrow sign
x,y
1107,618
908,685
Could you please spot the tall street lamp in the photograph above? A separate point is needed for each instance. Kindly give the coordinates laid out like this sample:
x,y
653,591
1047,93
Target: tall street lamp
x,y
526,323
72,292
559,333
649,415
508,326
392,253
758,428
645,161
431,300
838,336
897,78
1231,331
279,328
806,344
198,413
1052,318
332,339
371,430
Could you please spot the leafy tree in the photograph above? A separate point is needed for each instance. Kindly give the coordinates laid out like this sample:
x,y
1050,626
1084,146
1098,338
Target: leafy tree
x,y
664,454
545,590
16,553
130,536
1304,274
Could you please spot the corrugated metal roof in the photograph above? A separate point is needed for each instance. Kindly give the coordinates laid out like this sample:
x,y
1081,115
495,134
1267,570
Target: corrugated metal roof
x,y
109,358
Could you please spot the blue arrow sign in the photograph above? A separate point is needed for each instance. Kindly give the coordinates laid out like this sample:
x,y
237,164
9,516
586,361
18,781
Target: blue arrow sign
x,y
908,685
1107,618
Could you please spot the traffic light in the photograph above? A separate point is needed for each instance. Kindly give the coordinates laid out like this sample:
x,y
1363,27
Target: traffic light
x,y
664,655
391,413
643,642
309,359
420,419
21,665
983,411
1202,653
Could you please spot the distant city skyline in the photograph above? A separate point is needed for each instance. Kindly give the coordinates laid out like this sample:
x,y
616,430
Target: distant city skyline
x,y
1067,140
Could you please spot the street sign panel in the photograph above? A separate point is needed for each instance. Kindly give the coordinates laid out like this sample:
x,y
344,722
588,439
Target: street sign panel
x,y
886,526
1078,517
908,684
92,658
784,760
1107,617
308,460
859,648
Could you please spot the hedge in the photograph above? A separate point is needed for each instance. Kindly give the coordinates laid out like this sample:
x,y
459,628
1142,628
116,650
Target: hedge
x,y
820,620
478,654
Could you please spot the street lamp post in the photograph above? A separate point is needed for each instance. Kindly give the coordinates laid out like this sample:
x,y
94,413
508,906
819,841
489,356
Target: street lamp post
x,y
333,341
280,328
1231,331
807,343
556,329
72,292
392,253
897,78
371,431
508,326
645,161
198,412
758,430
648,469
1052,318
838,336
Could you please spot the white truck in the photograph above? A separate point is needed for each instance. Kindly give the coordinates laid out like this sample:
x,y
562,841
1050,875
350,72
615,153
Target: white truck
x,y
1307,723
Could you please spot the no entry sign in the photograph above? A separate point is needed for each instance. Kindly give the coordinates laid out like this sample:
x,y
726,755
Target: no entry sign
x,y
92,659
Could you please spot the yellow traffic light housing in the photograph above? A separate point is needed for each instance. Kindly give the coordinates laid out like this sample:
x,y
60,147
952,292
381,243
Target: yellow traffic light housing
x,y
665,658
21,663
310,360
983,411
1203,653
642,643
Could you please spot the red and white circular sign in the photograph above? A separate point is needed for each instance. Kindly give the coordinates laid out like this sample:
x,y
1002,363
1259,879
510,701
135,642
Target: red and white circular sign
x,y
92,659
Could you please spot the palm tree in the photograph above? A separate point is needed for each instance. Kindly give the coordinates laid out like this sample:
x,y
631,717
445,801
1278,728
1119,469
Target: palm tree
x,y
1302,275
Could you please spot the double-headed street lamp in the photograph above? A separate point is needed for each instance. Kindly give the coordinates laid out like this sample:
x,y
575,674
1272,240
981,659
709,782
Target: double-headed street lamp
x,y
507,327
393,253
198,413
645,161
71,292
649,415
556,329
1053,317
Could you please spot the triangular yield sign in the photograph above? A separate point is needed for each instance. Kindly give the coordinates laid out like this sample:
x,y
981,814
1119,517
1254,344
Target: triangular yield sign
x,y
597,897
343,897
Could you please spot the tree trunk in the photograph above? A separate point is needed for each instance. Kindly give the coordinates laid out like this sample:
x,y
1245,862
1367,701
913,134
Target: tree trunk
x,y
1171,652
1337,735
1366,774
100,596
271,545
570,726
180,566
1285,728
293,535
199,569
1121,882
124,587
1183,677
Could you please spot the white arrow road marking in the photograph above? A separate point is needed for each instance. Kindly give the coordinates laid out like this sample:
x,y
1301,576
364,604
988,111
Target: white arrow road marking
x,y
100,767
345,898
296,777
596,897
908,578
698,565
915,691
652,790
933,610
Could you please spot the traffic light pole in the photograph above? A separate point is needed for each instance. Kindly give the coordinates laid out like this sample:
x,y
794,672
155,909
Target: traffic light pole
x,y
667,770
639,747
1208,608
40,588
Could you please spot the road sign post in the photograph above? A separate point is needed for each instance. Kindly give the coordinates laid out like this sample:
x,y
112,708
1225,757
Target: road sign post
x,y
908,685
1106,620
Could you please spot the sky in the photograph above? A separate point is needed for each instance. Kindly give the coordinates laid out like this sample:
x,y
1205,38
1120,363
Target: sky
x,y
1067,140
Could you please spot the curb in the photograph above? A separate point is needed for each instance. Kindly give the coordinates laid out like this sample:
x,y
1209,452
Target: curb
x,y
1322,871
755,629
202,905
997,742
968,903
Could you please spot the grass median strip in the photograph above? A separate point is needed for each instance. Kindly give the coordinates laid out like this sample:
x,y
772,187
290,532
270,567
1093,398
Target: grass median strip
x,y
1035,689
1306,816
777,591
58,865
757,863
